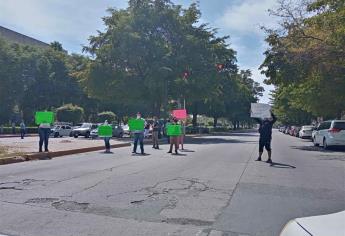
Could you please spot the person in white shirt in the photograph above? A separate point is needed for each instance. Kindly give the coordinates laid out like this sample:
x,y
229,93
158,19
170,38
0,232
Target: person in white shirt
x,y
138,137
107,140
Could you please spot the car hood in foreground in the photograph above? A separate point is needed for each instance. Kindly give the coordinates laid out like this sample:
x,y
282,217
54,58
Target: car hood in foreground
x,y
323,225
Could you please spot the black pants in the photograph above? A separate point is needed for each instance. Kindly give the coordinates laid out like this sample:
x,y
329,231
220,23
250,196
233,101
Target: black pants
x,y
22,133
44,138
265,142
138,137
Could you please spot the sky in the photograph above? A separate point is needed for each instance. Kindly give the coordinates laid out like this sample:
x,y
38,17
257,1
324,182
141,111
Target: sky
x,y
71,22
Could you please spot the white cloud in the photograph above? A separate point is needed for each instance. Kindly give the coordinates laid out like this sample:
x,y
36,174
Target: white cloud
x,y
69,22
248,16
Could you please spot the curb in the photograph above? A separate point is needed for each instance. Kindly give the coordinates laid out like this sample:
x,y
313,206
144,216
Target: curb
x,y
17,135
50,155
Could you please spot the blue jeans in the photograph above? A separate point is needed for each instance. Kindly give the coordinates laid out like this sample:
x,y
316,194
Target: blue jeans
x,y
44,138
138,137
107,143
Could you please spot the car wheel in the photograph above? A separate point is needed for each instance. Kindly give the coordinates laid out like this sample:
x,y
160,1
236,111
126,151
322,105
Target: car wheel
x,y
87,135
120,135
325,145
75,136
56,134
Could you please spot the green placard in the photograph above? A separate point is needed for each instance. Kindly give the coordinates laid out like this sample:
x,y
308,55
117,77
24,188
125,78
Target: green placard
x,y
174,130
44,117
105,131
136,124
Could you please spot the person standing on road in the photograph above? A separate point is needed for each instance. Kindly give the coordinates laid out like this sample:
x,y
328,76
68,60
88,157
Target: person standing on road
x,y
138,137
265,131
174,140
181,140
107,140
44,132
155,133
147,129
22,129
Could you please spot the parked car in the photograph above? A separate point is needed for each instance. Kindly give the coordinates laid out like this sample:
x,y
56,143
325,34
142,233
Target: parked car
x,y
330,133
296,131
117,132
287,130
306,131
84,130
125,129
331,224
291,130
61,130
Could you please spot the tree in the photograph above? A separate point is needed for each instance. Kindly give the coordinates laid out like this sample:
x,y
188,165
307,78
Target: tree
x,y
56,46
306,56
70,113
106,115
147,48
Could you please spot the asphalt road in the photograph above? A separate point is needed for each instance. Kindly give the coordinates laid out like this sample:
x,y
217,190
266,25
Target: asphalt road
x,y
216,188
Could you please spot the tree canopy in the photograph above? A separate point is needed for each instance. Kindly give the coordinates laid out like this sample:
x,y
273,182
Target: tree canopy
x,y
305,60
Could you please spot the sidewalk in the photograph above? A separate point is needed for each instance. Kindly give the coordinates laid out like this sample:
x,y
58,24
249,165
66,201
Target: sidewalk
x,y
27,149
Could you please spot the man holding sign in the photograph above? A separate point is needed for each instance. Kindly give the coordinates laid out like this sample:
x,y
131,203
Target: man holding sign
x,y
266,123
44,119
106,132
174,131
136,126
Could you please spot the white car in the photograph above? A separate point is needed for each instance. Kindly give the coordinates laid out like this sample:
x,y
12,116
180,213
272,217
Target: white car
x,y
324,225
330,133
306,131
61,130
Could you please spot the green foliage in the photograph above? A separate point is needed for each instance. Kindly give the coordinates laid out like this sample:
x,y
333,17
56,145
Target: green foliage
x,y
70,113
34,78
140,59
106,115
306,60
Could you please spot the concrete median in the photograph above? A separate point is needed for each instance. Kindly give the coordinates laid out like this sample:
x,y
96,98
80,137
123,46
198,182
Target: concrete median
x,y
50,155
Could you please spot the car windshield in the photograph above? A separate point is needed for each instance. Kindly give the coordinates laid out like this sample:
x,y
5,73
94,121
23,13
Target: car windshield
x,y
85,125
339,125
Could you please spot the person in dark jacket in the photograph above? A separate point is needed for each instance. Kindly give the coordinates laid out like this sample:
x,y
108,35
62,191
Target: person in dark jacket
x,y
265,131
155,133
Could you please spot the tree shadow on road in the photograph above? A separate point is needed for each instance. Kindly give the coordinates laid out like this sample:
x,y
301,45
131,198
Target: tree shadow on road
x,y
214,140
281,165
319,149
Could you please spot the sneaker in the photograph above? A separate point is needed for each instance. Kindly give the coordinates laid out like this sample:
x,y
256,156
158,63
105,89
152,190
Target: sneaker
x,y
259,159
269,161
169,152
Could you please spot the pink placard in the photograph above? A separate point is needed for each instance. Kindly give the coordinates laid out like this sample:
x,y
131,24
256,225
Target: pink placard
x,y
180,114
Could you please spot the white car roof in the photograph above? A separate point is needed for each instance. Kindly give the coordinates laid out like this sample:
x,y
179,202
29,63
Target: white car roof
x,y
324,225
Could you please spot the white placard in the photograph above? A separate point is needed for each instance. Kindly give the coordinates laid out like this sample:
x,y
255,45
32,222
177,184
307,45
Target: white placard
x,y
260,110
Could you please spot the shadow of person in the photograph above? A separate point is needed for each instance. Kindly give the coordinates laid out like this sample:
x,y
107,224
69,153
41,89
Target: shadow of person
x,y
139,154
186,150
281,165
179,154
